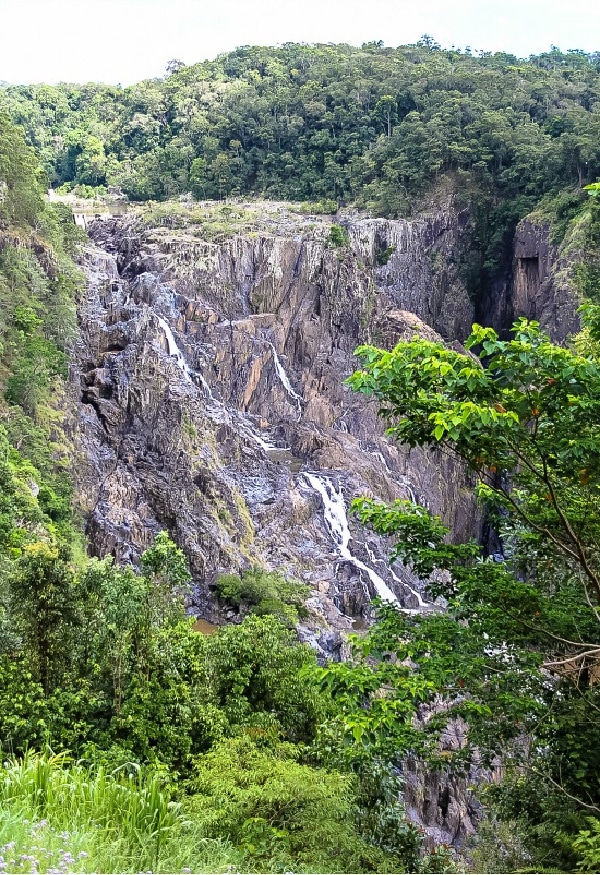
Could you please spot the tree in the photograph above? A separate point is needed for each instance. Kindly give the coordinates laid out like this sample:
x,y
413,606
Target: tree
x,y
174,66
20,196
517,652
43,606
91,162
272,807
386,106
197,179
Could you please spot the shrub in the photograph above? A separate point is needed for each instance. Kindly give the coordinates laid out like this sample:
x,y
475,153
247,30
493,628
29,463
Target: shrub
x,y
254,671
279,813
338,236
265,592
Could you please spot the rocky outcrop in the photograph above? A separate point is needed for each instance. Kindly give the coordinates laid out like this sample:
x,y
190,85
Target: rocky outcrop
x,y
539,284
542,281
209,379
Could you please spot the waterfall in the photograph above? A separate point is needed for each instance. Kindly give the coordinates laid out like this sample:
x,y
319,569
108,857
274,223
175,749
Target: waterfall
x,y
245,428
174,349
285,380
405,482
176,352
336,520
251,433
422,604
420,600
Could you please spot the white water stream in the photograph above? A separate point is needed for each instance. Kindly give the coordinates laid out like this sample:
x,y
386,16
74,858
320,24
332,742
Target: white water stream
x,y
285,380
178,355
336,520
246,428
402,583
174,349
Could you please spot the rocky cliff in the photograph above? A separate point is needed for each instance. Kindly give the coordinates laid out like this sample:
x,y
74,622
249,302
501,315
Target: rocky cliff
x,y
543,287
209,397
539,283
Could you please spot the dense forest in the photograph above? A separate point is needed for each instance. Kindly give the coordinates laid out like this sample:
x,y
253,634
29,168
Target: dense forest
x,y
375,126
237,751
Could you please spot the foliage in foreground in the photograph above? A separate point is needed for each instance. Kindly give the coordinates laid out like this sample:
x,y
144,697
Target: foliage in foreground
x,y
56,816
517,653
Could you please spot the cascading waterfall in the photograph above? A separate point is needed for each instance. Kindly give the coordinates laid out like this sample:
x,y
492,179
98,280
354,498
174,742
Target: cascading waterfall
x,y
336,520
178,355
245,428
421,602
285,380
173,349
249,432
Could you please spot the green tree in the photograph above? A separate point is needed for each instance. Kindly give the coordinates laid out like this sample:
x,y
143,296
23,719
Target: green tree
x,y
517,651
20,197
282,813
197,180
43,606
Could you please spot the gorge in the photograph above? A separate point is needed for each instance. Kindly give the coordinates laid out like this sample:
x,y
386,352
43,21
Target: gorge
x,y
187,419
191,614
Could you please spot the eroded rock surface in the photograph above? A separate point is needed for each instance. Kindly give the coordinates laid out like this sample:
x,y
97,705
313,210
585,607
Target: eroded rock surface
x,y
539,284
210,401
209,378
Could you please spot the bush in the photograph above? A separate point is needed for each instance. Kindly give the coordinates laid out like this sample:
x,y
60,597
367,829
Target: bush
x,y
254,671
265,592
383,255
587,847
338,236
326,206
280,814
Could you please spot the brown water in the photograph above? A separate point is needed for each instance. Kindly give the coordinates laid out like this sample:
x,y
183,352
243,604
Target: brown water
x,y
204,627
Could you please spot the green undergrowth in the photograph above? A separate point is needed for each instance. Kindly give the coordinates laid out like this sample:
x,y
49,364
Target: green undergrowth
x,y
251,807
39,283
264,592
59,816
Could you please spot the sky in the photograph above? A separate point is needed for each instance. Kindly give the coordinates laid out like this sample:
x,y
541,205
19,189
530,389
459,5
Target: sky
x,y
123,41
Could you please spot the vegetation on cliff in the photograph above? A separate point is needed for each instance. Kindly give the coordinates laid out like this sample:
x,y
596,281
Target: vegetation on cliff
x,y
372,125
516,654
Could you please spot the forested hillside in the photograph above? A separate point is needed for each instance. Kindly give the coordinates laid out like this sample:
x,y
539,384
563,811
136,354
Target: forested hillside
x,y
374,124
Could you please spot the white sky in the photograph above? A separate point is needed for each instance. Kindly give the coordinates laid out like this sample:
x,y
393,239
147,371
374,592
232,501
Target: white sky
x,y
128,40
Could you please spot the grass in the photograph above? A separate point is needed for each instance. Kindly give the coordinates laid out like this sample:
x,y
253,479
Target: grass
x,y
58,816
217,221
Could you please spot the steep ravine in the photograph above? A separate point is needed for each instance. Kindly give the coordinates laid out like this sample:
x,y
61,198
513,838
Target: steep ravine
x,y
208,400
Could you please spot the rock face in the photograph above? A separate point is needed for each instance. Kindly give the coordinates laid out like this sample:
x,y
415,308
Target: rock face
x,y
539,285
542,282
209,383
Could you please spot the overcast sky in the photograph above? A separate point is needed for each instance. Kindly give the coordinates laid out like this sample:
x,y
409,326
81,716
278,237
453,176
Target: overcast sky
x,y
127,40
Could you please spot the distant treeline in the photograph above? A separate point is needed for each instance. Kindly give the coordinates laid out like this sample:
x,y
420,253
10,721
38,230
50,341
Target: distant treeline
x,y
372,125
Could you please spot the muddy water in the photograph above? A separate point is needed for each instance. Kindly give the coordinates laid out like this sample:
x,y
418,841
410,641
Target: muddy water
x,y
204,627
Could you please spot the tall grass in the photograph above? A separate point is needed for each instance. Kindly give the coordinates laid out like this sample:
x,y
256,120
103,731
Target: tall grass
x,y
58,816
